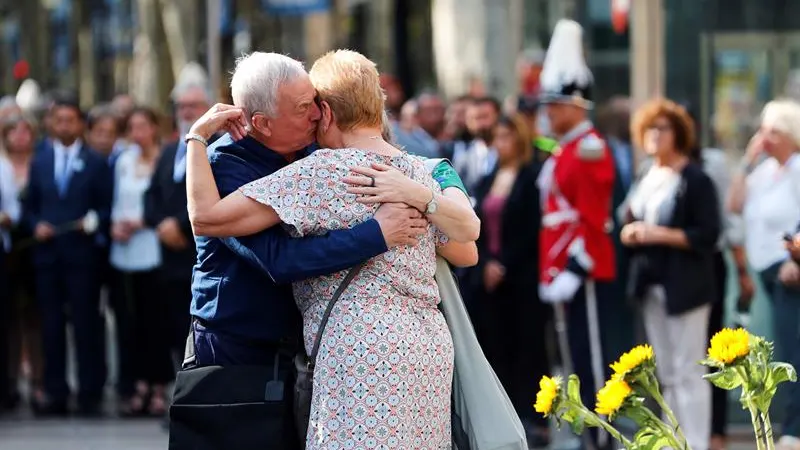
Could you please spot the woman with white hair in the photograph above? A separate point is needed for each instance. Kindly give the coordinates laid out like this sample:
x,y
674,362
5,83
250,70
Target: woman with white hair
x,y
767,193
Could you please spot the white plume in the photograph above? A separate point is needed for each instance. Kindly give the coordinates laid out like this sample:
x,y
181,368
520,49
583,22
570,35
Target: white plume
x,y
29,95
564,63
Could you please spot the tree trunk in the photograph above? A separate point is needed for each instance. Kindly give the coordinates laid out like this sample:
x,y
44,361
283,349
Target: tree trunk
x,y
145,73
87,63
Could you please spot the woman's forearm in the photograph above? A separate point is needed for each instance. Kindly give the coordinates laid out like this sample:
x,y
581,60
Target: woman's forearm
x,y
201,188
454,216
670,237
737,194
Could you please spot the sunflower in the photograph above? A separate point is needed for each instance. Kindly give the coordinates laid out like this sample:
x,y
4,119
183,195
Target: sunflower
x,y
635,358
548,392
728,346
612,397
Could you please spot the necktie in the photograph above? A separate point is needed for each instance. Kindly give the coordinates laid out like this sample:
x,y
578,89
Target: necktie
x,y
62,180
180,163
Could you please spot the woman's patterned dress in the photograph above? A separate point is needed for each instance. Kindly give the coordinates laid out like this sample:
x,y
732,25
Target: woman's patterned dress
x,y
385,366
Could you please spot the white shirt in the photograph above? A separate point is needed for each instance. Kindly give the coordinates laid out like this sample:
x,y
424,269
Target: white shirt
x,y
142,251
66,156
9,199
771,209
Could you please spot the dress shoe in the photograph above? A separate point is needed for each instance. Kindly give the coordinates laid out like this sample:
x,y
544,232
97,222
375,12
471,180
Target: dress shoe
x,y
49,408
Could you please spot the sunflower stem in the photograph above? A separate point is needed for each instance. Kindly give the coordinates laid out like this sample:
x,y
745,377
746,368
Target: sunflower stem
x,y
665,429
768,437
655,393
616,434
760,438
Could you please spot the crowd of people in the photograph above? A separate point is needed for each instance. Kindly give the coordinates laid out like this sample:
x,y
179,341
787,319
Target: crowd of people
x,y
95,225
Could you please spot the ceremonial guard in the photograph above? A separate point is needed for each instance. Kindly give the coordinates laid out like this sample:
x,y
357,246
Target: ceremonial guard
x,y
576,185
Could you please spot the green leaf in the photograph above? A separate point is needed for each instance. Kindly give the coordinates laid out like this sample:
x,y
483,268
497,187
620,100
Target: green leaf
x,y
577,425
711,363
780,372
726,379
649,438
574,389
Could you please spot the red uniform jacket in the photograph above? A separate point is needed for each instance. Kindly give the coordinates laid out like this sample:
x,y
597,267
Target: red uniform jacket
x,y
577,186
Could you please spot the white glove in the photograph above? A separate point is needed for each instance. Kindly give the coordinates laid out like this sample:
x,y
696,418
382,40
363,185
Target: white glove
x,y
90,222
562,289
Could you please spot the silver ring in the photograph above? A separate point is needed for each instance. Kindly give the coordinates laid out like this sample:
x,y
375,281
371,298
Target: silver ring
x,y
373,182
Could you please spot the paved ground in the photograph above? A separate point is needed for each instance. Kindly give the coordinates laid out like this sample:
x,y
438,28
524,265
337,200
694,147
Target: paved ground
x,y
23,433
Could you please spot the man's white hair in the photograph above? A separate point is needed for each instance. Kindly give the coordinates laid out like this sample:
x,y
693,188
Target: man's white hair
x,y
192,76
258,78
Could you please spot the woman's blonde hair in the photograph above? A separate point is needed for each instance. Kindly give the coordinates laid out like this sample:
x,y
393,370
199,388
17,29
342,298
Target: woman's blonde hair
x,y
784,116
350,84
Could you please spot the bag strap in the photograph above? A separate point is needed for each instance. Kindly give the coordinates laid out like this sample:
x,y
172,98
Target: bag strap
x,y
351,274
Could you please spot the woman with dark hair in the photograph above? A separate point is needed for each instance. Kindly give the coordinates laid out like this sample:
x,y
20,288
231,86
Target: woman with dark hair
x,y
511,320
673,226
135,256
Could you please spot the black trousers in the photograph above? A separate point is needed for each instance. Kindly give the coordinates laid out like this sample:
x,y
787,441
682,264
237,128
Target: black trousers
x,y
6,389
719,397
514,338
71,292
142,330
580,344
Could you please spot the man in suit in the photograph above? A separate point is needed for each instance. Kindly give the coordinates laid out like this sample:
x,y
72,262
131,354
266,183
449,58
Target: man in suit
x,y
67,208
165,210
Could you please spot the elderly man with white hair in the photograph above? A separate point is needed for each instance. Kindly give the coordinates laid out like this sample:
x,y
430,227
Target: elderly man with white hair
x,y
767,194
243,312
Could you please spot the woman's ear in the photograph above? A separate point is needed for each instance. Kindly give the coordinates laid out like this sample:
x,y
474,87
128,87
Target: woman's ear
x,y
327,115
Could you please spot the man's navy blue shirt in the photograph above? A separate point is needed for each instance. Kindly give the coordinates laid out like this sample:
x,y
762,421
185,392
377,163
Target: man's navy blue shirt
x,y
240,285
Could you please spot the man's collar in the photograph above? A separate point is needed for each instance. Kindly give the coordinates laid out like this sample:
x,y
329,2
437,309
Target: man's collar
x,y
74,148
266,154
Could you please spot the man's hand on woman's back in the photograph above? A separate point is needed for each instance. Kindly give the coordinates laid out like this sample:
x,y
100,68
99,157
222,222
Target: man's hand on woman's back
x,y
400,224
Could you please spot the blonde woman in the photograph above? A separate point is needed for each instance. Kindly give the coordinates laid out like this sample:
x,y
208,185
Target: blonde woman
x,y
384,369
767,194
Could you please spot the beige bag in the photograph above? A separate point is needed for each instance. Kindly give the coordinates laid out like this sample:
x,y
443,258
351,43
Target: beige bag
x,y
483,416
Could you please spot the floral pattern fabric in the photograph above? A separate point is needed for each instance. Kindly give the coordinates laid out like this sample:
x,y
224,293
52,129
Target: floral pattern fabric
x,y
385,365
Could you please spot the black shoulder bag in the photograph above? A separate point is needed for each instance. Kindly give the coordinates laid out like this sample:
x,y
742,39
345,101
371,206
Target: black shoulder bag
x,y
236,407
304,364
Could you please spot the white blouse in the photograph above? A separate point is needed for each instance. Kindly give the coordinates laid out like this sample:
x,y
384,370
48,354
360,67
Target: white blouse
x,y
771,209
131,180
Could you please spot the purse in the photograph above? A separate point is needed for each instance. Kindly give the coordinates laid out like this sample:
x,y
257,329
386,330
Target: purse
x,y
483,417
304,364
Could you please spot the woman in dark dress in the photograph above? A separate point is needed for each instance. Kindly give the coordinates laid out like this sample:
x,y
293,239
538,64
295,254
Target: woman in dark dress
x,y
511,319
19,139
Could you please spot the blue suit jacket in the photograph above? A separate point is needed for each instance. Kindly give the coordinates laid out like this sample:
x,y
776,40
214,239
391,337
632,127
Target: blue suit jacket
x,y
239,284
90,188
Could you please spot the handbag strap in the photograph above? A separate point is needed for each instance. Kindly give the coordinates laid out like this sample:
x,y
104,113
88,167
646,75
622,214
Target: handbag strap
x,y
351,274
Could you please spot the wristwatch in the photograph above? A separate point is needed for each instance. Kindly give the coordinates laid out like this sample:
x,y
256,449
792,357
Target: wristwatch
x,y
195,137
432,205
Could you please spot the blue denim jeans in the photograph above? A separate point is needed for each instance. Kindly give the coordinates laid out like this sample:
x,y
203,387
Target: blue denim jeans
x,y
786,320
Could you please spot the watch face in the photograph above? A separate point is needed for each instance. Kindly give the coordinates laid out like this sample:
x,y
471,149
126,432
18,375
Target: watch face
x,y
432,207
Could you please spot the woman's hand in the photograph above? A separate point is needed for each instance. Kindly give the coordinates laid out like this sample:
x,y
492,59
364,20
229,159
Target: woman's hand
x,y
221,117
633,234
754,148
493,275
789,273
384,184
794,247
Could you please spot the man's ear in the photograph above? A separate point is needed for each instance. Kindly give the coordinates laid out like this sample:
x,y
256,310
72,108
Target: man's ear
x,y
262,125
